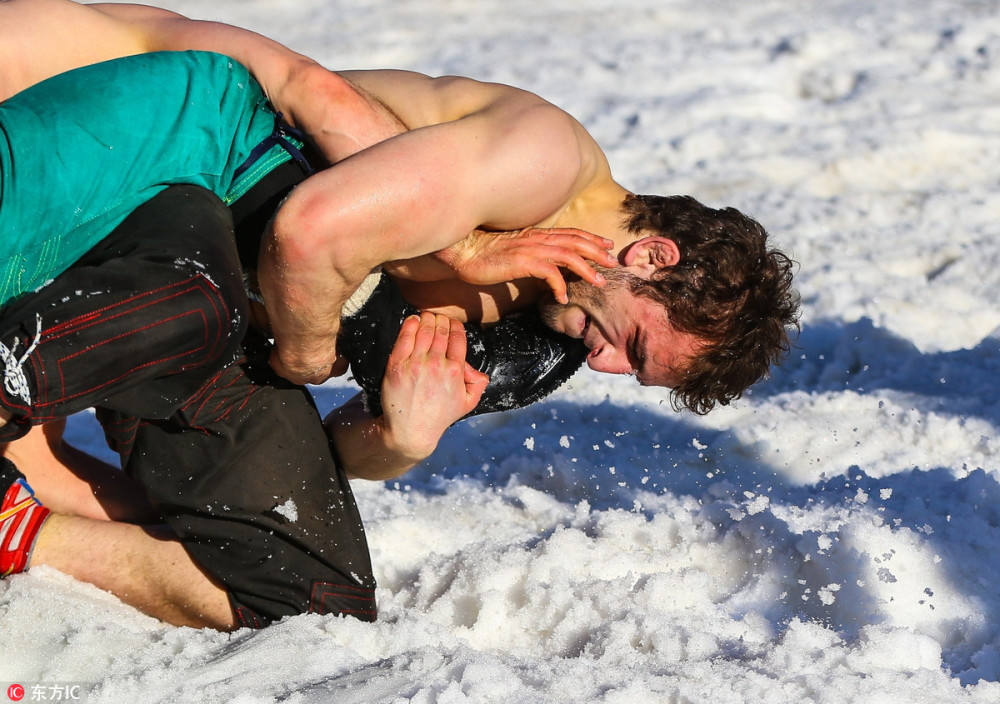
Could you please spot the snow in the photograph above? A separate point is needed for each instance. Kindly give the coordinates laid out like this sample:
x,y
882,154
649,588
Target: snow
x,y
830,538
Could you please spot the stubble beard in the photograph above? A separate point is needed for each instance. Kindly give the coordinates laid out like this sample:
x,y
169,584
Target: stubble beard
x,y
583,295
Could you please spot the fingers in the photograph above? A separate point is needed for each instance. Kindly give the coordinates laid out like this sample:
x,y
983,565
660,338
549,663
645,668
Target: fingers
x,y
578,266
552,274
430,335
427,370
475,386
555,281
581,243
406,339
457,343
570,249
475,380
440,335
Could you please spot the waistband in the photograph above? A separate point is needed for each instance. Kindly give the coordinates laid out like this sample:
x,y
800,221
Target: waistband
x,y
257,205
284,144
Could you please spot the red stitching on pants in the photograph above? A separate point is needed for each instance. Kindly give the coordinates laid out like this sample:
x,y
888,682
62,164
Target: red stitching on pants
x,y
207,347
58,329
246,617
202,416
321,591
152,363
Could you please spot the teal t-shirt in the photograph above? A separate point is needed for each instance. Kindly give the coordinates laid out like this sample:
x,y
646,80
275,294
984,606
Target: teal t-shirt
x,y
82,150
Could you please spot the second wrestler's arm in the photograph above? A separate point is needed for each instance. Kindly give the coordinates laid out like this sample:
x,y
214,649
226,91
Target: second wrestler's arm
x,y
427,387
339,117
506,166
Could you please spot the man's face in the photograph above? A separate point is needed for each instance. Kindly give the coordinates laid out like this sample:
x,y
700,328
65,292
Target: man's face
x,y
626,333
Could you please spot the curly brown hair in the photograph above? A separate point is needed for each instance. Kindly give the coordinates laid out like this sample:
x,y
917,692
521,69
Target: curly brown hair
x,y
728,289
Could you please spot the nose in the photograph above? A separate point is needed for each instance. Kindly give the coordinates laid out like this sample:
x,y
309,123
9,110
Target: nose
x,y
609,360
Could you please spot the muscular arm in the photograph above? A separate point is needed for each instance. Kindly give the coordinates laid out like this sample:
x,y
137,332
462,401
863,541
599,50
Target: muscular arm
x,y
340,118
41,38
514,162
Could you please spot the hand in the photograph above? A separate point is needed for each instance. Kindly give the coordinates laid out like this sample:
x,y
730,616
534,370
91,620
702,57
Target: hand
x,y
485,258
428,385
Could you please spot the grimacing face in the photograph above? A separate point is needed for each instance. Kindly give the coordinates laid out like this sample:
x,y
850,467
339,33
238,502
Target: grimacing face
x,y
626,333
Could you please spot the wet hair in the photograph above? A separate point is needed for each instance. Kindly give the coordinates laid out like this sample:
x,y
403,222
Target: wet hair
x,y
728,289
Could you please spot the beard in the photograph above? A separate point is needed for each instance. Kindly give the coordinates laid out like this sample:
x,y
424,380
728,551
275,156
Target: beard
x,y
584,295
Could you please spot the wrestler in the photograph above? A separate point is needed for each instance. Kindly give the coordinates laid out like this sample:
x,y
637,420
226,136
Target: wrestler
x,y
167,279
673,330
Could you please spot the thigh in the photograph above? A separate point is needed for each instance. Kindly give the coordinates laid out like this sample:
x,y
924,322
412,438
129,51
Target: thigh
x,y
245,476
138,324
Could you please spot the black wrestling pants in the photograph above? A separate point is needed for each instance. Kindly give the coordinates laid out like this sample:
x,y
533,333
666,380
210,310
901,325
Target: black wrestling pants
x,y
244,474
137,325
146,327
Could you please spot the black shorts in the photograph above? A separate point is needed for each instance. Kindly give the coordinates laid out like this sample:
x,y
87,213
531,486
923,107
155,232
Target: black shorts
x,y
244,475
147,327
137,325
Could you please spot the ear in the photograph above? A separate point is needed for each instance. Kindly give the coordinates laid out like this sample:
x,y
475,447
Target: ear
x,y
650,254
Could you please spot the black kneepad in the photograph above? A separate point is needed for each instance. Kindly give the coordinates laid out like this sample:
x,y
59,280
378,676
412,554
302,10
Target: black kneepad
x,y
525,359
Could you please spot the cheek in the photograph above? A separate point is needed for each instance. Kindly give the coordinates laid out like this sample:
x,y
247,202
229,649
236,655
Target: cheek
x,y
583,294
553,315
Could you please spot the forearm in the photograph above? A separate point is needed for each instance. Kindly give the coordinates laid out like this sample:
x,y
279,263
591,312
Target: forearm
x,y
304,316
328,235
364,446
340,118
396,200
304,286
444,264
423,269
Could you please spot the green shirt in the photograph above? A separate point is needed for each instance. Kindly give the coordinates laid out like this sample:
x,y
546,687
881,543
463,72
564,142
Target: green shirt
x,y
82,150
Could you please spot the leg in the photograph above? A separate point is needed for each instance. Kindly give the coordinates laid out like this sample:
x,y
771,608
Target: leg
x,y
137,325
245,476
72,482
144,567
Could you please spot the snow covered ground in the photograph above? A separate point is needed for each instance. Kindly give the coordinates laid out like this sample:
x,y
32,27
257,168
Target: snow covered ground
x,y
831,538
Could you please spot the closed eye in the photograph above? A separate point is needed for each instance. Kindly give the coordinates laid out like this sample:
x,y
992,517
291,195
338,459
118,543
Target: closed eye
x,y
637,353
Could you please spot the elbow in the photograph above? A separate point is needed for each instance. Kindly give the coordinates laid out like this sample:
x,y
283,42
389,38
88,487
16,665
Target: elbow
x,y
294,236
340,117
304,238
324,93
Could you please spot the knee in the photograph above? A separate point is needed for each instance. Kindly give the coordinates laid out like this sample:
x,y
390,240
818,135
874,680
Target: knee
x,y
201,246
215,314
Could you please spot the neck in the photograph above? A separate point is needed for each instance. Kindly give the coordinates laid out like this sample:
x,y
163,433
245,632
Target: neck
x,y
599,211
596,210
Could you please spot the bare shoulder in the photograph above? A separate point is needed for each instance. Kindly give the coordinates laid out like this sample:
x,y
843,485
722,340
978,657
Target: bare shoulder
x,y
132,12
531,157
422,100
41,38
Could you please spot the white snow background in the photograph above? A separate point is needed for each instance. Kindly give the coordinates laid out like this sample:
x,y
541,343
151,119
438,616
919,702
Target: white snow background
x,y
833,537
